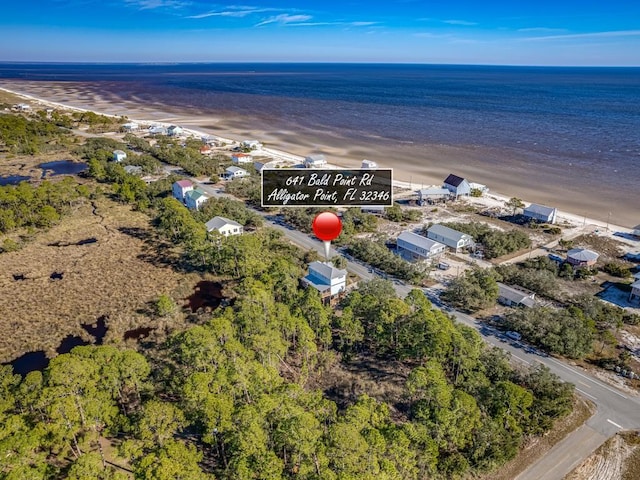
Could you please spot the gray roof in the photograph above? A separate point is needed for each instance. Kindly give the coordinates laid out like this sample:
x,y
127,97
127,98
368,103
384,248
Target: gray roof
x,y
316,158
516,295
132,169
539,209
582,255
235,169
419,241
635,284
447,232
119,152
433,191
217,223
327,270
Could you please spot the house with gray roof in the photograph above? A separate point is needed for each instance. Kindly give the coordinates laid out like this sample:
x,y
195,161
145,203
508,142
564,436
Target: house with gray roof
x,y
430,195
315,161
582,257
224,226
451,238
415,248
233,172
457,185
541,213
326,278
515,296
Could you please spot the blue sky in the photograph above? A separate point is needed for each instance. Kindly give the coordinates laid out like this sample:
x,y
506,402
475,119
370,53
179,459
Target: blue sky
x,y
560,32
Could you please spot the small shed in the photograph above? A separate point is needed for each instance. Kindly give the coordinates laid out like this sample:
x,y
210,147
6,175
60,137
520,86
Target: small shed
x,y
581,257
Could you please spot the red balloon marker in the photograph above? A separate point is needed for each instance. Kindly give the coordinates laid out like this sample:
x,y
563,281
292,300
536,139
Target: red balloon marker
x,y
327,226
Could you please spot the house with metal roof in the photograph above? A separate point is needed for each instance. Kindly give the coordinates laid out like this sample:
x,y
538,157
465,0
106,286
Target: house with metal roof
x,y
224,226
451,238
540,213
415,248
326,278
457,185
581,257
315,161
369,165
515,296
233,172
194,199
158,130
430,195
180,188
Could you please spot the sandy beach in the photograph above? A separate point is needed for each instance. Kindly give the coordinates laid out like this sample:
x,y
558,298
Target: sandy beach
x,y
421,165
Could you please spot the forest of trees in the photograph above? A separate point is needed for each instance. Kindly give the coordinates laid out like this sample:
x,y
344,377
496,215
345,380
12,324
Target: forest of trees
x,y
23,136
496,243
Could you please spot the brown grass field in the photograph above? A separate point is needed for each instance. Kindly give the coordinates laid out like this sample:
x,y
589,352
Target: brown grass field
x,y
117,276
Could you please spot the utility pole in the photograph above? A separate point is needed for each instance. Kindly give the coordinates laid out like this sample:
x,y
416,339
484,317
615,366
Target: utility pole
x,y
608,218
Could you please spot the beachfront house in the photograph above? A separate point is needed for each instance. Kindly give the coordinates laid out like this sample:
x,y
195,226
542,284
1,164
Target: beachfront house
x,y
636,231
251,144
428,196
234,172
22,107
515,296
119,156
174,131
540,213
415,248
451,238
130,127
457,185
326,278
369,165
241,158
158,130
180,189
194,199
581,257
315,161
224,226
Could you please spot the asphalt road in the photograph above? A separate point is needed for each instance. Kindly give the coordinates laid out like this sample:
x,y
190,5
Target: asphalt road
x,y
616,410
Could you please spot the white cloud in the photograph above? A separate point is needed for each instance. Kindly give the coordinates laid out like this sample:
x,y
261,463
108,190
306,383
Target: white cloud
x,y
569,36
542,29
154,4
236,11
459,22
284,19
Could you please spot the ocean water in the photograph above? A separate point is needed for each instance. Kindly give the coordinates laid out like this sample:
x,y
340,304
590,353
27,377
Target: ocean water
x,y
549,116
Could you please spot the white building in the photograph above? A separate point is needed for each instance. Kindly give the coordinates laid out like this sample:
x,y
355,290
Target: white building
x,y
240,158
224,226
315,161
180,189
22,107
252,144
119,155
457,185
369,165
515,296
541,213
451,238
233,172
414,247
325,278
130,127
430,195
158,130
174,131
194,199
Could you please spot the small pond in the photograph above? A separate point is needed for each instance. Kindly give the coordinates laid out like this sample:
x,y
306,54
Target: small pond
x,y
62,167
13,180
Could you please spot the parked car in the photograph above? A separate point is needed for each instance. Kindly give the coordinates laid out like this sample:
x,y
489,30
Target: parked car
x,y
444,266
514,335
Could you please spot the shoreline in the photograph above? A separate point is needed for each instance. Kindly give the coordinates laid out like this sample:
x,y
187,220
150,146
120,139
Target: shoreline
x,y
293,146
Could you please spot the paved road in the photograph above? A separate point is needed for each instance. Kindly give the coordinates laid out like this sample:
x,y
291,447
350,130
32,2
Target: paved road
x,y
616,410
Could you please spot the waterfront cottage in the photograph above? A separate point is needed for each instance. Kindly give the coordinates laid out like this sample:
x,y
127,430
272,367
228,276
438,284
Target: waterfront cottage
x,y
457,185
325,278
158,130
515,296
119,155
241,158
581,257
180,189
369,165
541,213
431,195
451,238
194,199
252,144
315,161
414,247
174,131
224,226
130,127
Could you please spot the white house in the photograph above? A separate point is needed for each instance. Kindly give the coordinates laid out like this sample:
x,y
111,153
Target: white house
x,y
174,131
515,296
194,199
414,247
252,144
325,278
541,213
430,195
180,189
451,238
158,130
22,107
369,165
457,185
224,226
315,161
130,126
119,155
233,172
241,158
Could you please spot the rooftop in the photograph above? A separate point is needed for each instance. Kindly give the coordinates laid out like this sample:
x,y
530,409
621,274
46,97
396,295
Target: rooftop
x,y
419,240
448,232
184,183
234,169
453,180
516,294
434,191
582,255
539,209
218,222
326,270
